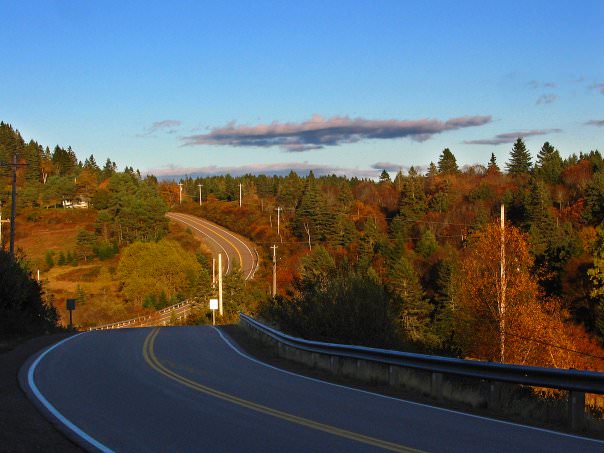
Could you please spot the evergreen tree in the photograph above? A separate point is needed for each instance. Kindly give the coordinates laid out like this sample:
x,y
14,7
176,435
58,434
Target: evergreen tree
x,y
385,177
90,163
398,180
312,215
368,244
493,168
447,164
596,275
432,170
594,200
549,164
290,189
540,222
22,308
520,159
427,244
415,309
64,161
109,169
317,266
413,197
85,244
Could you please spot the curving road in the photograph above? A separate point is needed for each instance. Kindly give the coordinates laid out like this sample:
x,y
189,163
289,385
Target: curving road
x,y
191,389
234,248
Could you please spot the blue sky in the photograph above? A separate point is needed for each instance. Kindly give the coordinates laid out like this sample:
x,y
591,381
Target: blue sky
x,y
339,86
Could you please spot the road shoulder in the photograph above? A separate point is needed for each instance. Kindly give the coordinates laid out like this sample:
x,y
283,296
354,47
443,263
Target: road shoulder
x,y
22,427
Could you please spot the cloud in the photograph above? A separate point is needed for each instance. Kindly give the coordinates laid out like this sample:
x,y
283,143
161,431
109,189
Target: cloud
x,y
279,169
598,86
510,137
595,123
534,84
318,132
546,99
167,126
388,166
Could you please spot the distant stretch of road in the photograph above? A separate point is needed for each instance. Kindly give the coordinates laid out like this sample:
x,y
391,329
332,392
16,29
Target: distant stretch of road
x,y
234,248
191,389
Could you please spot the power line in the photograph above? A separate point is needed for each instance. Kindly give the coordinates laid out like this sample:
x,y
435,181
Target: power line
x,y
543,342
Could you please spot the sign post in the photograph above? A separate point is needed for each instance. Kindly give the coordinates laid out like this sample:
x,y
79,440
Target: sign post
x,y
213,307
71,303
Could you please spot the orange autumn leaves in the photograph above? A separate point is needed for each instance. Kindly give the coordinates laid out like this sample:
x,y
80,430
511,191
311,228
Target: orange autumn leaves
x,y
534,329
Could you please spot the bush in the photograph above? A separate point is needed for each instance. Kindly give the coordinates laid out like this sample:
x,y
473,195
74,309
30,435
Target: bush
x,y
344,307
105,250
23,312
49,259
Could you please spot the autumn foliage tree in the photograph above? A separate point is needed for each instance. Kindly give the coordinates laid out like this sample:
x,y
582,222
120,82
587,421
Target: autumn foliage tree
x,y
484,319
156,268
524,327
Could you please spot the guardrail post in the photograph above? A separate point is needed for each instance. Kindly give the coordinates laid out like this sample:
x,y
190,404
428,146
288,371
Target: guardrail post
x,y
576,409
334,364
436,387
494,396
393,376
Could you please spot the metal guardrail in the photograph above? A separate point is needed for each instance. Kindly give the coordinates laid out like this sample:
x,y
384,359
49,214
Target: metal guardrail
x,y
576,380
141,319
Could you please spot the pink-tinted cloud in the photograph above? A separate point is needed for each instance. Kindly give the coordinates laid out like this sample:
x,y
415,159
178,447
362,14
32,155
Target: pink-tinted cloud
x,y
318,132
388,166
280,169
595,123
510,137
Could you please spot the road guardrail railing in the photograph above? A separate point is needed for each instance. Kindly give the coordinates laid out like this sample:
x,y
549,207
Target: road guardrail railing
x,y
384,365
142,319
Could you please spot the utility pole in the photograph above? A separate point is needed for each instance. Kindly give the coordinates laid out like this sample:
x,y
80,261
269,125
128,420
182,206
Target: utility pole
x,y
1,222
274,247
13,207
279,209
199,185
180,193
213,271
239,194
502,301
220,311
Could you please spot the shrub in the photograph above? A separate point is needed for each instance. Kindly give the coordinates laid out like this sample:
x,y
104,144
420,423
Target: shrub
x,y
22,309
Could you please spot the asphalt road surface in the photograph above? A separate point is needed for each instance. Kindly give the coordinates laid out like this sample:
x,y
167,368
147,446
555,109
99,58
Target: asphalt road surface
x,y
175,389
234,248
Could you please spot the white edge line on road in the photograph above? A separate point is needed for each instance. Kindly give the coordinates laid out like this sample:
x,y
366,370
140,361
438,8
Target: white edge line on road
x,y
227,232
32,385
379,395
222,230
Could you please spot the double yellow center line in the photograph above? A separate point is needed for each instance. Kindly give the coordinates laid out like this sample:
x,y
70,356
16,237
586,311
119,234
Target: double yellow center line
x,y
153,362
200,224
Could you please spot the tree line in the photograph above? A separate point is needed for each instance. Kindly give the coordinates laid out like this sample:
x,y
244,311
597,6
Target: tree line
x,y
411,261
426,243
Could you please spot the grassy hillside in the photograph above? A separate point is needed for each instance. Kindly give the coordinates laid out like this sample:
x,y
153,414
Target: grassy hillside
x,y
44,233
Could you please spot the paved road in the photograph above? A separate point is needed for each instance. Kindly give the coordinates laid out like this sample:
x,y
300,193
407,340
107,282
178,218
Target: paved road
x,y
177,389
234,248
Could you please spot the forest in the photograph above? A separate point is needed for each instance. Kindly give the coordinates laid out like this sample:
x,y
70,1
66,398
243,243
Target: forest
x,y
410,261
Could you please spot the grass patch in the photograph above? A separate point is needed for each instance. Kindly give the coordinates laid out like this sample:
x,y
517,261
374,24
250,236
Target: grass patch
x,y
80,274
